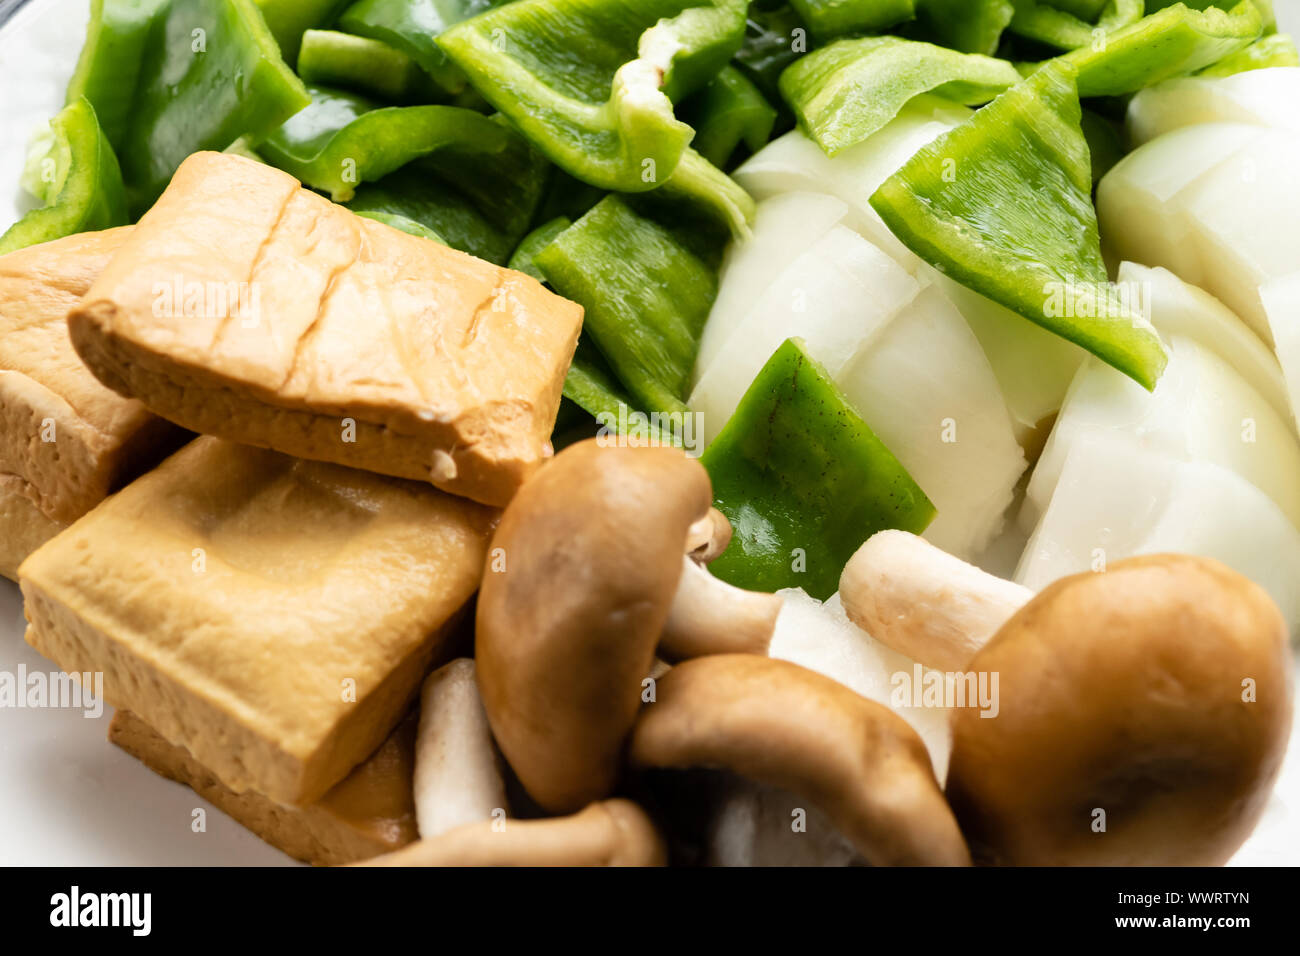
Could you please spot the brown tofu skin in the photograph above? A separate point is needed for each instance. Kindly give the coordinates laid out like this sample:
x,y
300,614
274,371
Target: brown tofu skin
x,y
272,616
66,441
371,811
247,307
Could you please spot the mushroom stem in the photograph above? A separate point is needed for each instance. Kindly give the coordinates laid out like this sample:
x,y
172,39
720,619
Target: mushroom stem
x,y
925,603
709,616
608,833
457,771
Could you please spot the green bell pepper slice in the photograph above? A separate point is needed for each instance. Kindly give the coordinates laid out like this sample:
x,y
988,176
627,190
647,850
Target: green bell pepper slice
x,y
646,297
342,139
1175,41
289,20
773,40
194,75
398,221
1055,27
479,198
803,480
330,58
969,26
1089,10
412,26
592,386
535,242
1276,49
1003,204
848,90
1105,143
593,83
728,112
77,176
1265,8
834,18
111,60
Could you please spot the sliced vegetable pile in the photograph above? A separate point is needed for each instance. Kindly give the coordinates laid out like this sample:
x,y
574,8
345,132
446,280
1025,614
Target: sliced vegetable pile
x,y
847,311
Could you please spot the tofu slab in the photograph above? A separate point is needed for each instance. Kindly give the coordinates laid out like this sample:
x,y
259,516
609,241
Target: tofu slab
x,y
272,616
371,811
23,526
66,441
244,306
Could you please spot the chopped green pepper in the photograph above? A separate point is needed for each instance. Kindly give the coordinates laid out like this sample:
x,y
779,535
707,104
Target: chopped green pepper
x,y
288,20
330,58
111,60
728,112
833,18
773,40
78,178
1277,49
593,387
702,191
343,139
198,74
1058,28
1174,42
848,90
1003,205
645,294
398,221
411,26
535,242
593,83
477,196
971,26
804,481
1105,145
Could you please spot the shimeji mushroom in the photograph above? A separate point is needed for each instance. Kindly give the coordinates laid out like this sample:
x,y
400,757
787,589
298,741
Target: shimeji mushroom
x,y
923,602
853,761
1143,718
593,577
457,771
608,833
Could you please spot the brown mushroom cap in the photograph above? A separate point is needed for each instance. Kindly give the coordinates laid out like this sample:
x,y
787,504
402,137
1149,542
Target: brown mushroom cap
x,y
785,726
610,833
593,550
1123,692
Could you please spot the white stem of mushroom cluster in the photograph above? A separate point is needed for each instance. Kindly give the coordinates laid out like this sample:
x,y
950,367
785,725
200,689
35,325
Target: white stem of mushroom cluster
x,y
709,616
457,774
925,603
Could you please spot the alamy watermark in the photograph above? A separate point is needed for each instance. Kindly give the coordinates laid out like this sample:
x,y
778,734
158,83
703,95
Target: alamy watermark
x,y
56,691
632,429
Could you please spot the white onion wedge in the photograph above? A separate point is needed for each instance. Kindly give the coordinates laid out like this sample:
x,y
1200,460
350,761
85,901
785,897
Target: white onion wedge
x,y
1177,308
836,296
927,390
1116,499
1269,97
1281,301
784,226
794,162
1141,216
1201,410
1034,368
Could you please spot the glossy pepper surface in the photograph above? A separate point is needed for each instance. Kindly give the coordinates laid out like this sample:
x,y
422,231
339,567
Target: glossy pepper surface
x,y
803,480
844,92
593,83
646,297
1003,204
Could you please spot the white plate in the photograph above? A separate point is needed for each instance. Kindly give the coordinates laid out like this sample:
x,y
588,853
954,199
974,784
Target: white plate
x,y
67,797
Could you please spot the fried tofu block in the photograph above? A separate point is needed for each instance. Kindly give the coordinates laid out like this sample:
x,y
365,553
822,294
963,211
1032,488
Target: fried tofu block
x,y
66,441
23,526
247,307
369,812
272,616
